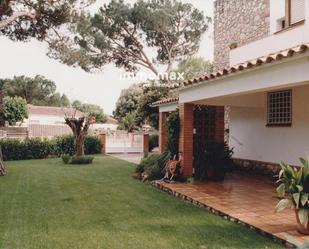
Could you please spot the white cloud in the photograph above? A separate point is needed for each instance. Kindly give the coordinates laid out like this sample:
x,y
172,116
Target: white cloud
x,y
30,58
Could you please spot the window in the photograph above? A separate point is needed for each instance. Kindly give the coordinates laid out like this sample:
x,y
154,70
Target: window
x,y
279,108
296,11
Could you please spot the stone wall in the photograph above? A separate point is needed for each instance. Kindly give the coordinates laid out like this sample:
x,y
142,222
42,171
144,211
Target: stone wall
x,y
238,21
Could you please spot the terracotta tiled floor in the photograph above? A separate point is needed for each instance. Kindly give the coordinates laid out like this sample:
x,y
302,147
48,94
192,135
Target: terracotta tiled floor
x,y
248,199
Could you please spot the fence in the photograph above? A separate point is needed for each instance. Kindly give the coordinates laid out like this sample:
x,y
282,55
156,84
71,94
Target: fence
x,y
120,142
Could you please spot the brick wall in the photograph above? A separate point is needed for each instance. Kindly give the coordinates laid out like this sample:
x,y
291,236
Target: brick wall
x,y
240,21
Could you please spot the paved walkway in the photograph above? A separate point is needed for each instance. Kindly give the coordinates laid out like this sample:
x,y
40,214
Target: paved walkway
x,y
244,199
132,158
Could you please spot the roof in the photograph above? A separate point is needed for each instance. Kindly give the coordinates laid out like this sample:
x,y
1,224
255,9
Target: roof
x,y
271,58
166,101
53,111
111,120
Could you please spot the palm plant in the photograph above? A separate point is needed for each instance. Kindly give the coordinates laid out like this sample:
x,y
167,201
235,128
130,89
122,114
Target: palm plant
x,y
293,191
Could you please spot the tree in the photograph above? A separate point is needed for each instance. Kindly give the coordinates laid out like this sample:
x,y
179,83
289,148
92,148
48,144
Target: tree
x,y
146,113
24,19
194,67
128,123
93,110
36,91
128,101
121,33
15,110
79,127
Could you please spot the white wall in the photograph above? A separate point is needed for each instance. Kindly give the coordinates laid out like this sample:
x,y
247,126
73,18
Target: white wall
x,y
275,41
251,139
45,119
277,11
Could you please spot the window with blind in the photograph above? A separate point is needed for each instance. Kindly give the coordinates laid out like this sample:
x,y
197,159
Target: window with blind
x,y
296,11
279,108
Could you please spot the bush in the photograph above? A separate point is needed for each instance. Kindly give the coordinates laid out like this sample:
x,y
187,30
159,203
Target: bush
x,y
153,166
173,129
82,160
64,145
37,148
34,148
66,159
153,141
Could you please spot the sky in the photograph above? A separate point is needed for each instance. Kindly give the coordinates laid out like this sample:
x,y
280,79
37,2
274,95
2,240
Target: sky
x,y
103,88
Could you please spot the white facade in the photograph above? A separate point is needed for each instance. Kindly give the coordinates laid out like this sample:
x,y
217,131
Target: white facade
x,y
253,140
276,41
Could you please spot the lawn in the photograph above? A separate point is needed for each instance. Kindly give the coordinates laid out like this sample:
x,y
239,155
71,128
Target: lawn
x,y
45,204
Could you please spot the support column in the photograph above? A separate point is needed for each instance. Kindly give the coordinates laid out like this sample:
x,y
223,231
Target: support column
x,y
162,131
220,124
103,143
146,143
186,138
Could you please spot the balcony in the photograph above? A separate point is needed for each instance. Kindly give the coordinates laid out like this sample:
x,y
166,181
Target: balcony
x,y
284,39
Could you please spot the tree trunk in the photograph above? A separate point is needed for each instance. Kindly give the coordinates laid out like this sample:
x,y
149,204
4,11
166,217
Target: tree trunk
x,y
79,128
79,144
2,167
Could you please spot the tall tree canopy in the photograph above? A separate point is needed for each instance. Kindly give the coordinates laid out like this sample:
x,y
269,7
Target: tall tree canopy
x,y
36,91
92,110
128,101
144,35
23,19
14,110
194,67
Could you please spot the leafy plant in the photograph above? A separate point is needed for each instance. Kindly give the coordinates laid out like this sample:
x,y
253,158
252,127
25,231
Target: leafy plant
x,y
217,159
173,129
81,160
66,159
153,166
15,110
294,190
153,141
34,148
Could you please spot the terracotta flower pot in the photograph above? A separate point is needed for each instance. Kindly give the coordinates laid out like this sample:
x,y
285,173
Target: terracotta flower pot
x,y
300,227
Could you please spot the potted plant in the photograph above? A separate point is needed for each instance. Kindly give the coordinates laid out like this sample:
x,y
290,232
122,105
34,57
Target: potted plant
x,y
293,191
218,158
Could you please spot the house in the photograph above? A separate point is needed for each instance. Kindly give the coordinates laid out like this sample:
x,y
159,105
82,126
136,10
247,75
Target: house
x,y
260,87
50,115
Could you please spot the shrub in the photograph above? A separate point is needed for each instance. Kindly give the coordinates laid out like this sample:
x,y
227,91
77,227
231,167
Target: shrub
x,y
66,159
34,148
153,141
82,160
173,128
64,145
92,145
153,166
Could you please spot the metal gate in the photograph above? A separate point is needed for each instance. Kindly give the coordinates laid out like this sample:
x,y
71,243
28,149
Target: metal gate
x,y
120,142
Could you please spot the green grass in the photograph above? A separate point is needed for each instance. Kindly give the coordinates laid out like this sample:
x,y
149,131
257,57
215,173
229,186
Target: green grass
x,y
46,204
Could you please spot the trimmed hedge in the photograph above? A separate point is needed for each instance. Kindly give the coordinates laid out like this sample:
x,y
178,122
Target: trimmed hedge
x,y
64,145
36,148
14,149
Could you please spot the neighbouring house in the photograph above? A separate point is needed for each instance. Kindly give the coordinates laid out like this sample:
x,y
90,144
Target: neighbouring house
x,y
50,115
48,121
260,87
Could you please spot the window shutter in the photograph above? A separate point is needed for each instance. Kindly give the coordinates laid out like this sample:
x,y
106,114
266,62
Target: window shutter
x,y
297,11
